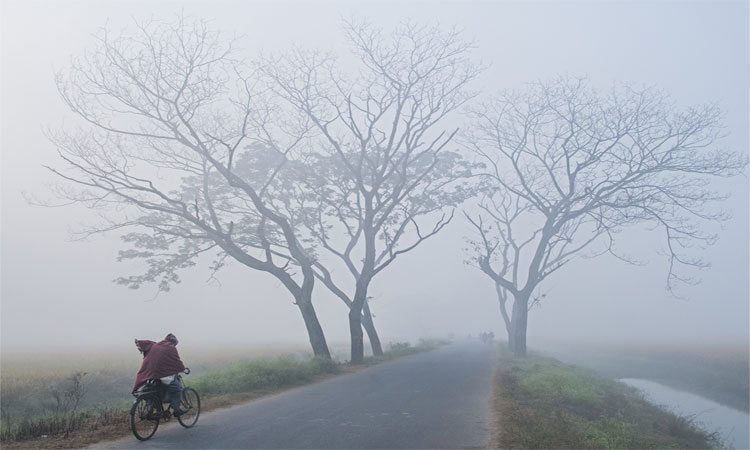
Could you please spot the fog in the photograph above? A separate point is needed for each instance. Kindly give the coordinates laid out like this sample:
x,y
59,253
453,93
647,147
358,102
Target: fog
x,y
58,293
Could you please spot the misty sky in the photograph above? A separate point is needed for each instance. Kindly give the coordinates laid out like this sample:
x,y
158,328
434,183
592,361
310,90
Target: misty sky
x,y
56,292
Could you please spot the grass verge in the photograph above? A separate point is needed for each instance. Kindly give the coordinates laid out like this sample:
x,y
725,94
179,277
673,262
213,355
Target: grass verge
x,y
224,387
543,403
718,371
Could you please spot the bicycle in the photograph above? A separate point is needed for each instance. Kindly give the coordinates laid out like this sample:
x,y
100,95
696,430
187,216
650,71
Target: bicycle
x,y
148,409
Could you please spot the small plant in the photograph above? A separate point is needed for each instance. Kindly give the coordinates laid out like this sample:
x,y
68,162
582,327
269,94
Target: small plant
x,y
68,395
399,346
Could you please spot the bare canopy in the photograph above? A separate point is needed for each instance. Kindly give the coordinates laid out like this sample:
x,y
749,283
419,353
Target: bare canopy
x,y
567,168
199,154
386,179
170,121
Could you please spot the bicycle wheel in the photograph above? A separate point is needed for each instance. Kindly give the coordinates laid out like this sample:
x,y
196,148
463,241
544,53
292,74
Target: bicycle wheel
x,y
144,417
192,402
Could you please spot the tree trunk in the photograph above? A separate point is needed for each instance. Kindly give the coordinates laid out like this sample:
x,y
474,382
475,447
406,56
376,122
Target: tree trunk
x,y
502,298
355,330
372,334
314,330
355,319
511,336
519,322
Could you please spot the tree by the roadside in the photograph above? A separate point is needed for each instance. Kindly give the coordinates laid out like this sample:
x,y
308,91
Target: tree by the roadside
x,y
384,177
567,168
178,143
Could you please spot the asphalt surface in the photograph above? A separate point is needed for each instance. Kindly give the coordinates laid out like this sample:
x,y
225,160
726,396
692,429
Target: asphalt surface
x,y
437,399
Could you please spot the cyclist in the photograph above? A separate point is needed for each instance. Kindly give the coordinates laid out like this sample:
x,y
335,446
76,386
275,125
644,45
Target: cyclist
x,y
161,361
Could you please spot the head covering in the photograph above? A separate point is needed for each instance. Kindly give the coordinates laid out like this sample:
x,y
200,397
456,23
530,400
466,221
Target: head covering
x,y
171,338
160,359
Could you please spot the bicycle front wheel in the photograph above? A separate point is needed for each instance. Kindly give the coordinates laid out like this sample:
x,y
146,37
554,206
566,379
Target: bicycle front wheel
x,y
192,402
144,418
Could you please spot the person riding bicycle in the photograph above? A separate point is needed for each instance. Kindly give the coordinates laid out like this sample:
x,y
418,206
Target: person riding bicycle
x,y
162,361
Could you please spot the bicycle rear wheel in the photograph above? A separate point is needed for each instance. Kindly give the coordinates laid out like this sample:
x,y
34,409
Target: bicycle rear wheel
x,y
192,402
144,418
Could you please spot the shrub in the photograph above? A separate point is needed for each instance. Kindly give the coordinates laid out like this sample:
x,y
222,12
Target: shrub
x,y
262,375
399,346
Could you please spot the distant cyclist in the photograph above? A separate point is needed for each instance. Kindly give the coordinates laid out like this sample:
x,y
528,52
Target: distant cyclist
x,y
161,361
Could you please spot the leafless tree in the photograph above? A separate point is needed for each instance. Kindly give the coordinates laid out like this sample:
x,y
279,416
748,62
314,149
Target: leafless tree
x,y
386,178
568,168
178,142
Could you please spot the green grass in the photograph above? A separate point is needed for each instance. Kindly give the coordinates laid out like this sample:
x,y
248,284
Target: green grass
x,y
543,403
559,383
262,375
717,372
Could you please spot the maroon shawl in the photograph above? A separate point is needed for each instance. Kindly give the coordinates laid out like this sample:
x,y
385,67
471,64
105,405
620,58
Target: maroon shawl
x,y
160,359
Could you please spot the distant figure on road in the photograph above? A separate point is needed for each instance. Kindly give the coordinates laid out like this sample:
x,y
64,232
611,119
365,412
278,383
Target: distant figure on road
x,y
161,361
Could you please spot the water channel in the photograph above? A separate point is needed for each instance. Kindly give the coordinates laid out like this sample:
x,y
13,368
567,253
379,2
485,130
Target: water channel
x,y
731,424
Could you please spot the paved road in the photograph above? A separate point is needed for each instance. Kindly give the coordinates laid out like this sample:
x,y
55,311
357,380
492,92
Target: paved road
x,y
438,399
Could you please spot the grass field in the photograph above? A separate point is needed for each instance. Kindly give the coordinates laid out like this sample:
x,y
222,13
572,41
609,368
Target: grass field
x,y
28,380
543,403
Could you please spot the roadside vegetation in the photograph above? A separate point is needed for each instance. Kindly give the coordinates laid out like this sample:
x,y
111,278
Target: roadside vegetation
x,y
542,403
54,411
719,372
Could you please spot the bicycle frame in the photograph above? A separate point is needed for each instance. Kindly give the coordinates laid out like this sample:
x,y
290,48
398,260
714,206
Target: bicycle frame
x,y
158,391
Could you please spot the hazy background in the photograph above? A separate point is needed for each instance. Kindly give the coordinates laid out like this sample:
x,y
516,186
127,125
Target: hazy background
x,y
60,294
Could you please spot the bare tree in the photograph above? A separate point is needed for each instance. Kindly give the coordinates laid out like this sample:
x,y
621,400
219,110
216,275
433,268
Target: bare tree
x,y
386,178
568,168
179,143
